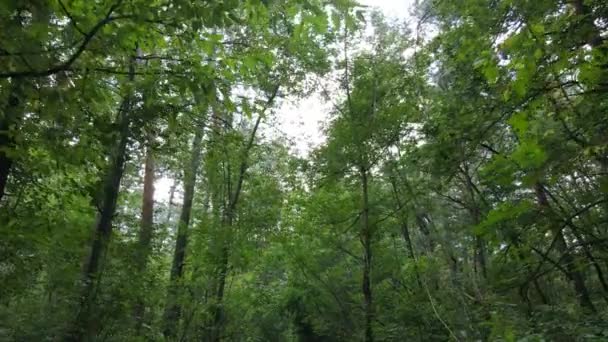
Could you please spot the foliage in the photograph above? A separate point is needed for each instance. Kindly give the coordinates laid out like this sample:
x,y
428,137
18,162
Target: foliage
x,y
461,193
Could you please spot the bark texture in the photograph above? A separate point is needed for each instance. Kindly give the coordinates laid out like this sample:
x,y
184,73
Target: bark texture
x,y
145,233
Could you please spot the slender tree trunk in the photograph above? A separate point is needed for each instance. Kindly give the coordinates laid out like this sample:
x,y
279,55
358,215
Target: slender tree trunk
x,y
84,325
480,244
11,117
145,233
222,274
577,276
173,307
568,259
480,256
405,232
228,220
524,288
589,255
541,294
366,238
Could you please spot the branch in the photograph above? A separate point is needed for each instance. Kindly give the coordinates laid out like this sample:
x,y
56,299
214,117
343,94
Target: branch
x,y
65,65
454,200
489,148
432,302
391,214
69,15
544,256
244,164
346,80
116,71
556,264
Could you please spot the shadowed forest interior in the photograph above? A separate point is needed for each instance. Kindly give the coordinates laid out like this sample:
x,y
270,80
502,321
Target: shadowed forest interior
x,y
149,193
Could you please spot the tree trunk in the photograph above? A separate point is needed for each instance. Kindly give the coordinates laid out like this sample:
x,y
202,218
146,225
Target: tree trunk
x,y
589,255
228,219
568,259
480,245
367,257
145,233
84,326
173,308
541,294
222,273
480,256
11,116
405,232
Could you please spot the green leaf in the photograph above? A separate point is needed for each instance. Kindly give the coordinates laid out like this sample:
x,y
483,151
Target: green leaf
x,y
519,122
490,71
537,28
507,211
529,154
250,62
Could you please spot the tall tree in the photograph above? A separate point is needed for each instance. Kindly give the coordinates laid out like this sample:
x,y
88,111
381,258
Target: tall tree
x,y
173,307
147,226
103,227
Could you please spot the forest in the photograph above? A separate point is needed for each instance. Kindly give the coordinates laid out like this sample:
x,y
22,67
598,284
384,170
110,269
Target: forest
x,y
460,192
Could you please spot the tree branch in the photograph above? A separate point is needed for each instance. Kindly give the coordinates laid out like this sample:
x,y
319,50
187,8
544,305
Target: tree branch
x,y
65,65
244,164
69,15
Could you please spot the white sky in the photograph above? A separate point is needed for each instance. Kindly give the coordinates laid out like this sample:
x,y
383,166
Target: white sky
x,y
391,8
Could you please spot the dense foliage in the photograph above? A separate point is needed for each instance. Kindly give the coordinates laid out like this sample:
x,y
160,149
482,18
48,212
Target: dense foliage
x,y
461,193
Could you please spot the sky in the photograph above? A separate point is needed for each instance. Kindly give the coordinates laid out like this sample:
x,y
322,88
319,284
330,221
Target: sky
x,y
302,120
391,8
